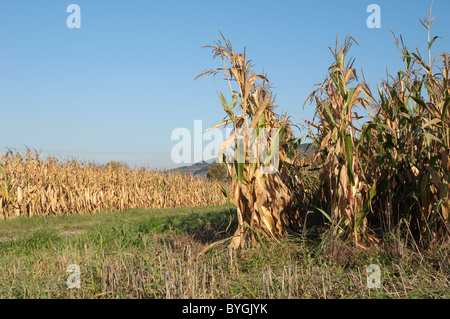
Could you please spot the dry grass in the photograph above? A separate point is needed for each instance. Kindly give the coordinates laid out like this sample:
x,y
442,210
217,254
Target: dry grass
x,y
129,262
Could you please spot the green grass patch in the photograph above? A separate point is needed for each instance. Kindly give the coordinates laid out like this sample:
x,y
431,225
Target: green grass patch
x,y
153,254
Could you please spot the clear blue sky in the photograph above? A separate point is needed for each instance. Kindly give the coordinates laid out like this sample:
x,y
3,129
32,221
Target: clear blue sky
x,y
116,88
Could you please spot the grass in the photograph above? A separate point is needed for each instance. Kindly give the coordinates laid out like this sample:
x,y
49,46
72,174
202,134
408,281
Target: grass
x,y
12,228
154,254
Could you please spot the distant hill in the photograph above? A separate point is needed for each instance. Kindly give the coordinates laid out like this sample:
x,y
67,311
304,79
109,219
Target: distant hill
x,y
197,169
305,147
201,169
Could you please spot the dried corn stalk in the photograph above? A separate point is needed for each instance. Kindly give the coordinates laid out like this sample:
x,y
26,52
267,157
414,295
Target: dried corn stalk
x,y
343,189
258,167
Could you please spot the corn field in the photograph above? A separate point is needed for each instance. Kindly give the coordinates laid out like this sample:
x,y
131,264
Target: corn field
x,y
31,186
380,164
392,171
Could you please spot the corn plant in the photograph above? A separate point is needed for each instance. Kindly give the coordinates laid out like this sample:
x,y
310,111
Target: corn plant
x,y
394,169
343,192
408,142
261,141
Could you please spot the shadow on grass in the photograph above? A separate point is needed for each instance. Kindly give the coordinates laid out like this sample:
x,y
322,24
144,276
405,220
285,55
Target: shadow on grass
x,y
202,227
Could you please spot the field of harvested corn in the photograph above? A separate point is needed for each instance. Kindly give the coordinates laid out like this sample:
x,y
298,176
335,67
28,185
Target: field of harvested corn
x,y
153,254
31,186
